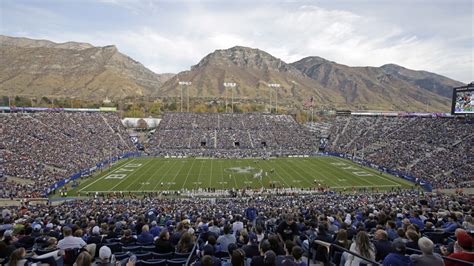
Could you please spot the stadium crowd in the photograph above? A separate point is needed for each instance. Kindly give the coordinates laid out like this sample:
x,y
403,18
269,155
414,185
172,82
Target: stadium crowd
x,y
230,135
437,150
44,147
385,227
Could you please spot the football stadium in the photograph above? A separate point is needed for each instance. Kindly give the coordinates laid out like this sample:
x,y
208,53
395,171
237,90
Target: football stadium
x,y
241,159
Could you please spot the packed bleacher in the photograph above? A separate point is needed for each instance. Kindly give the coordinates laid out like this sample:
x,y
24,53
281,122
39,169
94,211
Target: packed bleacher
x,y
233,135
437,150
44,147
402,227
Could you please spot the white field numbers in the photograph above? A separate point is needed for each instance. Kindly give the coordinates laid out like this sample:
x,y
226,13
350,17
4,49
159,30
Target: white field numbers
x,y
128,168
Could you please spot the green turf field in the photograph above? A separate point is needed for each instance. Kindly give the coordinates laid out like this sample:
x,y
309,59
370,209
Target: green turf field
x,y
155,174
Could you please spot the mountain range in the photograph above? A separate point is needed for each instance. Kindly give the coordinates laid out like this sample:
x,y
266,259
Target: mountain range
x,y
80,70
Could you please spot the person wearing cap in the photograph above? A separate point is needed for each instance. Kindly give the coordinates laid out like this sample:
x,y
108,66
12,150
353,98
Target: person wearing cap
x,y
332,227
205,233
428,257
36,230
463,248
105,257
397,256
95,237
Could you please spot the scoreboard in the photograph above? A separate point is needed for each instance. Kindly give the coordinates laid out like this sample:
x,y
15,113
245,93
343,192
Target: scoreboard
x,y
463,100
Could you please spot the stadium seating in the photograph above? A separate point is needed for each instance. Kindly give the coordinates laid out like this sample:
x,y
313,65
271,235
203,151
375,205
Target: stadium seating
x,y
45,147
224,134
437,150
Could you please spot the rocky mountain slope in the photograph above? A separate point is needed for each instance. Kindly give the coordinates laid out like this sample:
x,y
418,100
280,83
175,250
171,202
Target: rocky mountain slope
x,y
80,70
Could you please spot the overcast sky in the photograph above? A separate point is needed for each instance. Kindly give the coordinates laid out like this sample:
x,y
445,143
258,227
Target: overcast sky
x,y
170,36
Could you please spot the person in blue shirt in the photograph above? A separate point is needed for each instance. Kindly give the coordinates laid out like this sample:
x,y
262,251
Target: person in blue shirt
x,y
451,225
145,237
251,213
155,229
397,256
415,219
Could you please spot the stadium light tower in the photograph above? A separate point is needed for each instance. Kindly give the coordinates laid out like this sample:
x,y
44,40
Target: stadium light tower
x,y
274,86
182,85
230,85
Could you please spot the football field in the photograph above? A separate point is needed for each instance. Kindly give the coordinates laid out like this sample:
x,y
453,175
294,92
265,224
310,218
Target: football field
x,y
155,174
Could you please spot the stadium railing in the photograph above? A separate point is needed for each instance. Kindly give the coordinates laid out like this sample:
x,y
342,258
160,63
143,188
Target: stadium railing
x,y
331,249
193,251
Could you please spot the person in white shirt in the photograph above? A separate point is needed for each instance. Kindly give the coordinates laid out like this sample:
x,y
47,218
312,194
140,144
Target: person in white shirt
x,y
71,242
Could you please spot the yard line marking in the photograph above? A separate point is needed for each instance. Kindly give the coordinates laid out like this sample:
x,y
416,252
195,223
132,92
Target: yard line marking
x,y
210,175
138,178
278,174
152,175
317,166
197,183
105,174
297,172
350,162
163,176
259,179
367,186
111,189
189,171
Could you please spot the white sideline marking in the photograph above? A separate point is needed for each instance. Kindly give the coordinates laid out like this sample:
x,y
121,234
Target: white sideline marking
x,y
102,178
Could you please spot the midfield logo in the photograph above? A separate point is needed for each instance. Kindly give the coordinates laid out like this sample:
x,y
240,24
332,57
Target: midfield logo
x,y
242,170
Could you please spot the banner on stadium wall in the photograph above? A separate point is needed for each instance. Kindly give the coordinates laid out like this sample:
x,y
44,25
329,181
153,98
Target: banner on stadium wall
x,y
427,186
86,172
108,109
42,109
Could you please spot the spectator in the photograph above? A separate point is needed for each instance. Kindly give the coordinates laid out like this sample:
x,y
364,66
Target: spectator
x,y
17,258
397,256
361,246
127,238
287,229
163,243
238,257
428,257
185,244
227,238
382,245
105,257
145,237
84,259
463,248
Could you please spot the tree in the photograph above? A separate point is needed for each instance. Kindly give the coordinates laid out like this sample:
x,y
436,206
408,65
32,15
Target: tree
x,y
200,108
155,108
301,117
